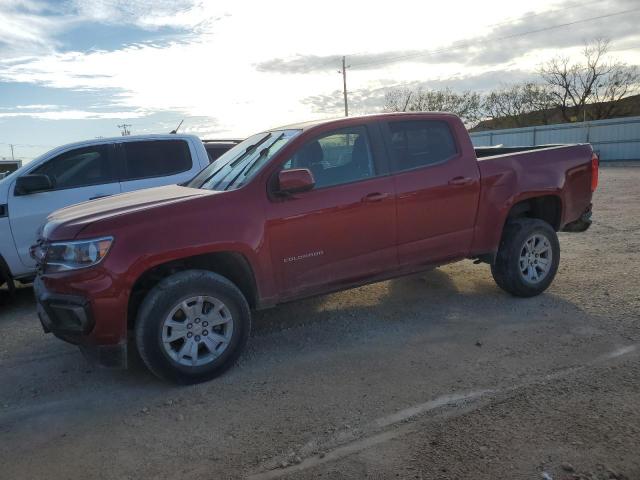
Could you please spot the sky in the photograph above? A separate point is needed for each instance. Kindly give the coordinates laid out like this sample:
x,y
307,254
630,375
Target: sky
x,y
76,69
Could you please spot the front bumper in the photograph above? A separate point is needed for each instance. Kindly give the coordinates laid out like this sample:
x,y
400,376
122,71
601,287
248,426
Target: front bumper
x,y
70,318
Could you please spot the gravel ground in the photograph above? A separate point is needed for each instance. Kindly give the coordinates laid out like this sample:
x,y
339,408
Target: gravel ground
x,y
440,375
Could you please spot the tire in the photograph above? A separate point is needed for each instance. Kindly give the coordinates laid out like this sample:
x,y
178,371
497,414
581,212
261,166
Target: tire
x,y
181,307
516,264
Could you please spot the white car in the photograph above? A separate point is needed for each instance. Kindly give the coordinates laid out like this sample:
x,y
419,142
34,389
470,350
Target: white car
x,y
84,171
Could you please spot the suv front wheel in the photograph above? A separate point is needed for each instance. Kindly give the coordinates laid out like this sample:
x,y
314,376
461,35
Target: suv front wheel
x,y
192,326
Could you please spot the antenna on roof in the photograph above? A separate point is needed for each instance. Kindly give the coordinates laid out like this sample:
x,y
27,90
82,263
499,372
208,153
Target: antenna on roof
x,y
173,132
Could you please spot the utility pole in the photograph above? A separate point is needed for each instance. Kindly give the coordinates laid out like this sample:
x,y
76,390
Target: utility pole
x,y
13,159
125,129
344,84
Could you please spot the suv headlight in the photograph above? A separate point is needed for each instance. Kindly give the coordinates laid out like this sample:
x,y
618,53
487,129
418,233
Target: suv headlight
x,y
65,256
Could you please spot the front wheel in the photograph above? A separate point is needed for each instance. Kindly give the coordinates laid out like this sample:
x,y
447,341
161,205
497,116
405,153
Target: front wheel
x,y
528,257
192,326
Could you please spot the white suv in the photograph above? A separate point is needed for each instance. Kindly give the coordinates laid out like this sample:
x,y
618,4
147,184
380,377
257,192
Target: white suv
x,y
80,172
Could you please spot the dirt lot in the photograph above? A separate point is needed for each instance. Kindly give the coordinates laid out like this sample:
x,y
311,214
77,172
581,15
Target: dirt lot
x,y
440,375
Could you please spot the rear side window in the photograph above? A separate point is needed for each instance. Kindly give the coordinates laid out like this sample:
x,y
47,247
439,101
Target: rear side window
x,y
80,167
157,158
420,143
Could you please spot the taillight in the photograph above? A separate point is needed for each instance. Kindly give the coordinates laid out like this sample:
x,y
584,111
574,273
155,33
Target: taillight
x,y
595,164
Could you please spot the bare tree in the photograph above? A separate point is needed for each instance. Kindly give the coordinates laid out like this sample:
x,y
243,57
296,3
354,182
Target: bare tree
x,y
513,102
397,100
467,105
622,82
596,78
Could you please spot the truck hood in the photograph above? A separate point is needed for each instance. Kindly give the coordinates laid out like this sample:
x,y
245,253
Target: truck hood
x,y
69,221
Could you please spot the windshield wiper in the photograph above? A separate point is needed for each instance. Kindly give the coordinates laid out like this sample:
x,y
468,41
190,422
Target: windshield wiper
x,y
246,170
248,151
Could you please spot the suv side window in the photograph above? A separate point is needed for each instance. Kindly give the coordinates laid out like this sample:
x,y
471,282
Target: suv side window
x,y
80,167
342,156
418,143
155,158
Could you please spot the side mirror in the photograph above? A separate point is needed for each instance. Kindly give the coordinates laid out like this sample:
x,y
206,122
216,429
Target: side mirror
x,y
295,181
27,184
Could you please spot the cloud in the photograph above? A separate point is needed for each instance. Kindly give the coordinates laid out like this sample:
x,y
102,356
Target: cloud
x,y
26,29
70,114
37,106
226,76
142,13
32,27
506,41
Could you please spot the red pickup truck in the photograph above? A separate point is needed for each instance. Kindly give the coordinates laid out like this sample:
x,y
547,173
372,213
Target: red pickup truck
x,y
297,211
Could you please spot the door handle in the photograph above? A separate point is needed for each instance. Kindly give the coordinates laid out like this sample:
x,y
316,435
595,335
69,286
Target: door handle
x,y
375,197
461,181
100,196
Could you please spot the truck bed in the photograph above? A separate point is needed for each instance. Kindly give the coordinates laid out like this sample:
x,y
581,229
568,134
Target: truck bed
x,y
510,175
496,150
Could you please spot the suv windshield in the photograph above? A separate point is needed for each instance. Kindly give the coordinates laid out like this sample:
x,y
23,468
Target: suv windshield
x,y
236,167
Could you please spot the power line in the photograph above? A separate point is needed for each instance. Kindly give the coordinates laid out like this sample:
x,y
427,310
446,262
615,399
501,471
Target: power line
x,y
505,37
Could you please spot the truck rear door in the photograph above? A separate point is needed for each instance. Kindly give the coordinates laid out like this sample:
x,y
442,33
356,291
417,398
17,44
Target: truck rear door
x,y
437,183
153,163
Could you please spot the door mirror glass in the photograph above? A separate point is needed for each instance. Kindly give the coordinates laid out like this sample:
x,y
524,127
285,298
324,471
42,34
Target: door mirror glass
x,y
295,180
27,184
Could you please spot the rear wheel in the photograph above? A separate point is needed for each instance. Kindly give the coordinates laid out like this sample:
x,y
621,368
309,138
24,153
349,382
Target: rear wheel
x,y
192,326
528,257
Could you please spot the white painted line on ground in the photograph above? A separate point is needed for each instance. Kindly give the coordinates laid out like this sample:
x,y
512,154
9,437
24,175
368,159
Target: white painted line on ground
x,y
452,400
407,413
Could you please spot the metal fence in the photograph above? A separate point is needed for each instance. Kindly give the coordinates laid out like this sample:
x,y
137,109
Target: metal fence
x,y
615,139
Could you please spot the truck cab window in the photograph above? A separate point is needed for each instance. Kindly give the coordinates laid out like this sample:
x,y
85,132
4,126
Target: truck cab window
x,y
336,158
80,167
420,143
155,158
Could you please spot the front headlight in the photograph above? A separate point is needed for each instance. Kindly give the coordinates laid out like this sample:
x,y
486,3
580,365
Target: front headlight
x,y
65,256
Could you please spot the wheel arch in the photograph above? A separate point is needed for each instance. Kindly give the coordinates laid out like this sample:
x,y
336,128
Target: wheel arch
x,y
232,265
542,207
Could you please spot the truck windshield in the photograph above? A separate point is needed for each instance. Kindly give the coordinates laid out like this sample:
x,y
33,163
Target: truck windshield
x,y
237,166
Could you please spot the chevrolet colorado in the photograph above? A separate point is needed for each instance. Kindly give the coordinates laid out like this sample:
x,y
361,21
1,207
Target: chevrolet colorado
x,y
297,211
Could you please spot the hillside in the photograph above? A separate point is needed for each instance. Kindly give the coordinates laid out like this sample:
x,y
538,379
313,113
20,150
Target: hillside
x,y
627,107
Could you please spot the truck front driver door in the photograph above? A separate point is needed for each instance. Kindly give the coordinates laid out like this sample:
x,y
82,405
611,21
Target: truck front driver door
x,y
343,230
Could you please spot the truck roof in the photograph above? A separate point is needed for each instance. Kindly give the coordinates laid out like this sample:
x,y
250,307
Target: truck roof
x,y
128,138
346,121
